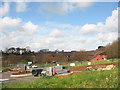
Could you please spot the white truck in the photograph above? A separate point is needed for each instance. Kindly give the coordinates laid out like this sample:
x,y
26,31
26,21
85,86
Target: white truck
x,y
51,71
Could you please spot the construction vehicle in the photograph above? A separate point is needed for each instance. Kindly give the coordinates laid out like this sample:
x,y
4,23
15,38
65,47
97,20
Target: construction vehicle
x,y
51,71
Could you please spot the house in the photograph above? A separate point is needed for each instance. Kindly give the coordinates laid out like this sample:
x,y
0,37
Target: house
x,y
98,56
61,56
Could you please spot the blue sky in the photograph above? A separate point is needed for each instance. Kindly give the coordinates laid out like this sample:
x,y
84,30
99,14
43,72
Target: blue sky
x,y
65,25
97,12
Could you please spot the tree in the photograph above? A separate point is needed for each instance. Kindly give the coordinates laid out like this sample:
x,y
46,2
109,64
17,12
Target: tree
x,y
80,56
61,57
46,58
10,50
112,50
18,50
101,47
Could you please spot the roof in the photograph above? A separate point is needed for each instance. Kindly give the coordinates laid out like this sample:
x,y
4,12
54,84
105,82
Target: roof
x,y
97,53
54,53
91,52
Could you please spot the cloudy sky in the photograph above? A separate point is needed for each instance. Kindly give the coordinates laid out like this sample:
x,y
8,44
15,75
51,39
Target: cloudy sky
x,y
58,25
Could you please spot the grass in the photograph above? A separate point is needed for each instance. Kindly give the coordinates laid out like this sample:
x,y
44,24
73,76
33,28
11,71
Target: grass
x,y
47,65
89,79
95,62
83,63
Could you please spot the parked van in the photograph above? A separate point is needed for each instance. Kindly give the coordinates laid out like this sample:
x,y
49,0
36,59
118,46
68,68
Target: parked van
x,y
37,72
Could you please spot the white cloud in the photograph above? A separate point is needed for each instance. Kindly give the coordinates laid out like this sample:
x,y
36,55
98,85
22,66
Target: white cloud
x,y
83,5
107,37
21,6
49,9
89,28
4,9
58,36
8,22
55,33
62,8
29,28
51,40
110,25
14,32
112,21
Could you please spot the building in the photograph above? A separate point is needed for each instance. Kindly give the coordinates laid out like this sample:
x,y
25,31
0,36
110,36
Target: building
x,y
98,56
52,56
61,56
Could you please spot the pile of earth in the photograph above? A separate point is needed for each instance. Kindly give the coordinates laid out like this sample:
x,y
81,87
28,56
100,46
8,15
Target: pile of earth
x,y
6,70
21,72
83,68
12,69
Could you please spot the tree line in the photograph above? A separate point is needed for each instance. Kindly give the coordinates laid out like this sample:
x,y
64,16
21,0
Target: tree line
x,y
112,49
15,55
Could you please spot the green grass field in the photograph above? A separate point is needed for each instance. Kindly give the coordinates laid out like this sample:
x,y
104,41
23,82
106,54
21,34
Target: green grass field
x,y
89,79
95,62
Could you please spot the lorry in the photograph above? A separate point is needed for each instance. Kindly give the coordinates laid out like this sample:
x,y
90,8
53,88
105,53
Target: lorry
x,y
51,71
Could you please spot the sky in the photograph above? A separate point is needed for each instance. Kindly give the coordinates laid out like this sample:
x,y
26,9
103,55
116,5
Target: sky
x,y
65,26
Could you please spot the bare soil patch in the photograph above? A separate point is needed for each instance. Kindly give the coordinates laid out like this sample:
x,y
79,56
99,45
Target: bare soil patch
x,y
83,68
21,72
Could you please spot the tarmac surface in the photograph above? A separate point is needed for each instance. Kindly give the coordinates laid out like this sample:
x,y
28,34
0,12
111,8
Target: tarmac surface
x,y
6,75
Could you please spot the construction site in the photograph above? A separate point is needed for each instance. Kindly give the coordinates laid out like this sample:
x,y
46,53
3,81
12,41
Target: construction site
x,y
59,44
19,74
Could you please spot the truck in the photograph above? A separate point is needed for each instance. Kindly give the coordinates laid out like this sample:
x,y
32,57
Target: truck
x,y
51,71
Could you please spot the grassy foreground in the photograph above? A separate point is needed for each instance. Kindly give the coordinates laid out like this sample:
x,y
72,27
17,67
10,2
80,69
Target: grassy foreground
x,y
89,79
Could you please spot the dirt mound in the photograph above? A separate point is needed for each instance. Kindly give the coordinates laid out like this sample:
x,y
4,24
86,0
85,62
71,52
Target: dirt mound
x,y
6,70
13,69
83,68
21,72
63,75
16,69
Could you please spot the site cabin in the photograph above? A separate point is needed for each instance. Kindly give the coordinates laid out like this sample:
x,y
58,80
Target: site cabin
x,y
99,56
50,71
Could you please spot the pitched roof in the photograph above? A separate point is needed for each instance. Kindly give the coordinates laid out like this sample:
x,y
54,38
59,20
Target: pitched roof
x,y
97,53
